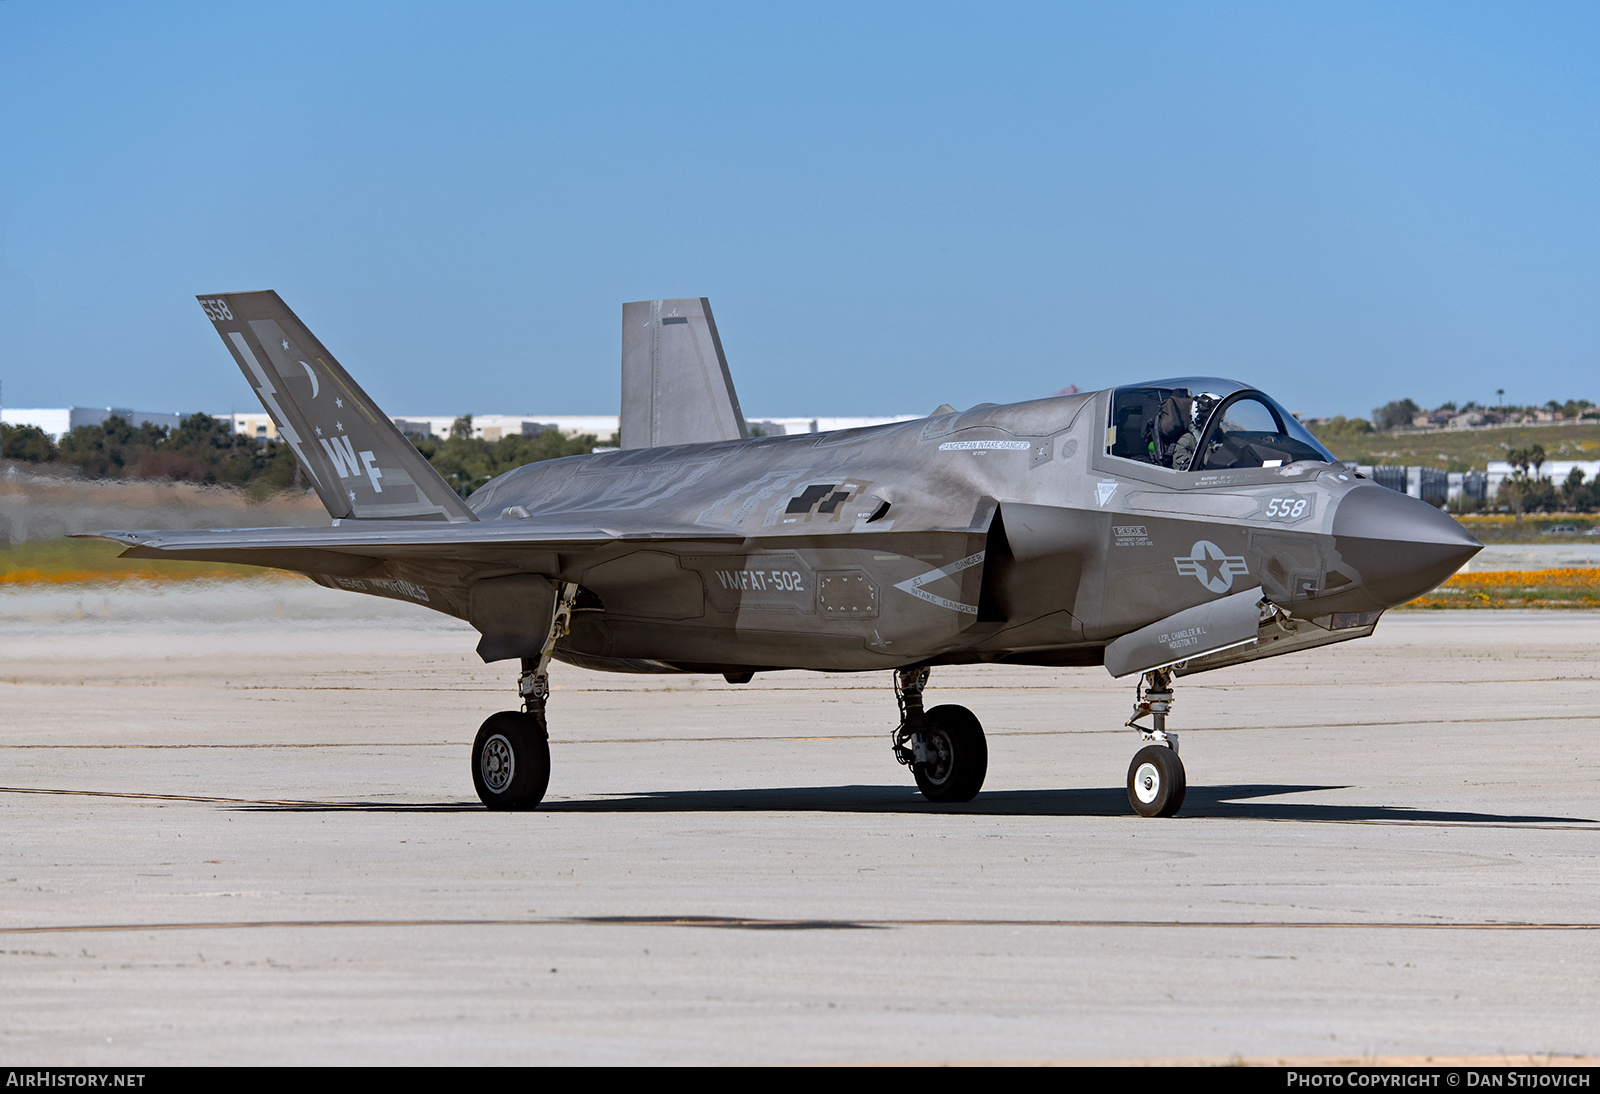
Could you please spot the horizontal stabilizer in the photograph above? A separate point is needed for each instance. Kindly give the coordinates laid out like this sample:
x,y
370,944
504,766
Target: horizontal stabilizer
x,y
1206,628
361,465
675,383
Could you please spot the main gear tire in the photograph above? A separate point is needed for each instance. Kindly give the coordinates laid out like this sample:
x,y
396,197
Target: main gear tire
x,y
960,756
511,760
1156,782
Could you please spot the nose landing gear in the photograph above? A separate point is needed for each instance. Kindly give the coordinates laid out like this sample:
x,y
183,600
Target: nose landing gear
x,y
1156,780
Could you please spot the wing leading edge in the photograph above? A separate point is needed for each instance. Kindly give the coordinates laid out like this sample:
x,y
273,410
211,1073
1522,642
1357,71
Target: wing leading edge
x,y
370,541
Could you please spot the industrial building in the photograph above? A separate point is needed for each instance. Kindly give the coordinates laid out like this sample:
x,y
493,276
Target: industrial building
x,y
56,421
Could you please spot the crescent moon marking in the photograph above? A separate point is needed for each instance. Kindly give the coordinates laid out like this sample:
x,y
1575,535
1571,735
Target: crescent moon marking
x,y
313,376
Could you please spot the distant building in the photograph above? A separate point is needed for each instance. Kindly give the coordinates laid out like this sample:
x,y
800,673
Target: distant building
x,y
1426,483
1554,470
54,421
59,420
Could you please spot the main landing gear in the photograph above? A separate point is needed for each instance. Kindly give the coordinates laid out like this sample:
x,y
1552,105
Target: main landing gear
x,y
511,755
944,747
1156,782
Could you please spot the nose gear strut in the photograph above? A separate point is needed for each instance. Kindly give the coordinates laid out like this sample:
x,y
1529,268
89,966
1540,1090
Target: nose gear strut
x,y
1154,698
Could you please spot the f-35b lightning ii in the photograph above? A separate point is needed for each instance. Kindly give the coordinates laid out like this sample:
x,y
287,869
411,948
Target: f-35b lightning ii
x,y
1158,529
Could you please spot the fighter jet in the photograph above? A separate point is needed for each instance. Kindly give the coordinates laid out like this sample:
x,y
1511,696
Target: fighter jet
x,y
1159,529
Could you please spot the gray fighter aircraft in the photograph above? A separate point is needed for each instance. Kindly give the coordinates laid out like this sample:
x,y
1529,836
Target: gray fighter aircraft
x,y
1158,529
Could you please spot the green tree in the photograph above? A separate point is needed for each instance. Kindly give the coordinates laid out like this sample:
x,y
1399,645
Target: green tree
x,y
1394,415
26,442
1522,490
1576,495
1340,429
467,462
111,449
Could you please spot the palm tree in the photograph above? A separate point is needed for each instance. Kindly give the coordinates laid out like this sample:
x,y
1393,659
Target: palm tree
x,y
1520,460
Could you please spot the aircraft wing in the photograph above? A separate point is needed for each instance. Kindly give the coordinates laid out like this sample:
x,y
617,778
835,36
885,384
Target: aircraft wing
x,y
351,548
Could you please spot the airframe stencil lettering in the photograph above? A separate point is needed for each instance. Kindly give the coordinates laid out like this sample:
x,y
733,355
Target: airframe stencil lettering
x,y
766,581
1184,639
1131,535
1287,508
914,585
761,581
985,446
1103,492
400,588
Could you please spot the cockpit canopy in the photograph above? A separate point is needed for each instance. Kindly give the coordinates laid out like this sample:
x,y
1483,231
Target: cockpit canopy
x,y
1202,423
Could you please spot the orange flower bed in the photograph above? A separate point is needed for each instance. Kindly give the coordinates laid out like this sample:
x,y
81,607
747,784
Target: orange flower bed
x,y
1567,588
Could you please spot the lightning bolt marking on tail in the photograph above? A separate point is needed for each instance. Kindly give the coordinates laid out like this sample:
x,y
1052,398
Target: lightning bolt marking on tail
x,y
267,392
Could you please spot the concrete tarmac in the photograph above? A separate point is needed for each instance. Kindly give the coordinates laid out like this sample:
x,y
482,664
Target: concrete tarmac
x,y
240,828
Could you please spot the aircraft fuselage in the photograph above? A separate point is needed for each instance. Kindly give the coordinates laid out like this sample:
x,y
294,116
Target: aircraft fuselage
x,y
1002,533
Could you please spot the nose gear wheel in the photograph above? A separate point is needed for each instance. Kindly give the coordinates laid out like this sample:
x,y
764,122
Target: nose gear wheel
x,y
1156,782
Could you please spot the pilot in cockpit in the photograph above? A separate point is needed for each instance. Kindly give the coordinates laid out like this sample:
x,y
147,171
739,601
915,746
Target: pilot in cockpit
x,y
1178,426
1206,424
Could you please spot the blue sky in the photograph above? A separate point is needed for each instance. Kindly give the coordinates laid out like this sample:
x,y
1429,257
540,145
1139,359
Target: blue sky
x,y
890,205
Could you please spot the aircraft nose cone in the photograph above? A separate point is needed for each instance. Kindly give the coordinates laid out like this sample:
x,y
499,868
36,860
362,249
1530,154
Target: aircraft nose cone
x,y
1401,546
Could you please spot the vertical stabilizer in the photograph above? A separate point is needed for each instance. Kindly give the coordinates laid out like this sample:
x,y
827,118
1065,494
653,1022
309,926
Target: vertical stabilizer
x,y
360,464
675,383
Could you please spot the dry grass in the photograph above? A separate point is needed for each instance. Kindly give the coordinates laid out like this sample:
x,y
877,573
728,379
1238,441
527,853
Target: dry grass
x,y
1463,449
95,561
1505,528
